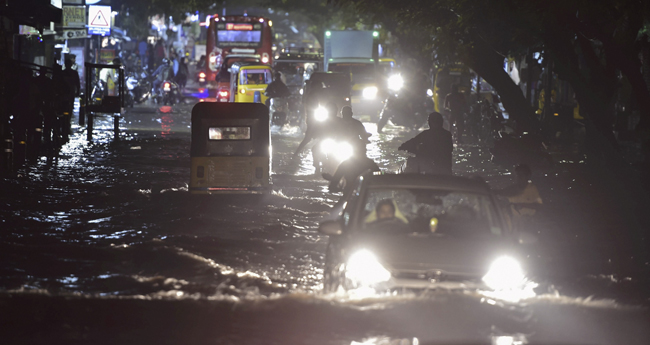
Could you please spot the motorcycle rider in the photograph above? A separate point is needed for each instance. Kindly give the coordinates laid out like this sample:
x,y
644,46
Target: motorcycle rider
x,y
352,128
277,89
349,170
330,127
432,147
162,73
316,95
408,104
277,92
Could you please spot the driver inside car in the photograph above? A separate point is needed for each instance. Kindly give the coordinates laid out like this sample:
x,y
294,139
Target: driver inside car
x,y
386,218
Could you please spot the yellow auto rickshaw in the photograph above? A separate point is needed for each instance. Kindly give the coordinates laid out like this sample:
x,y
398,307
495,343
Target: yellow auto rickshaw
x,y
231,149
445,77
248,82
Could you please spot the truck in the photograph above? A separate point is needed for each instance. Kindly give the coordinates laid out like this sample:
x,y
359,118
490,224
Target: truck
x,y
356,53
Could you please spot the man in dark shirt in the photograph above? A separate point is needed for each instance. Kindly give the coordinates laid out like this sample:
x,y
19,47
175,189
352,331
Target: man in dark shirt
x,y
277,88
432,147
72,90
351,128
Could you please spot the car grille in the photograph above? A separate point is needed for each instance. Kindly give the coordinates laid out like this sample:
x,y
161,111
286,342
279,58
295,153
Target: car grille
x,y
436,275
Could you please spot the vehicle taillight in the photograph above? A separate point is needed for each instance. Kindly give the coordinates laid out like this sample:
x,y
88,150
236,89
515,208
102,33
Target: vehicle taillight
x,y
167,87
223,94
213,58
265,58
201,75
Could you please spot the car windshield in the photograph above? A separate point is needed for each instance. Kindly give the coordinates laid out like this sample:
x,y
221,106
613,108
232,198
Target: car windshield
x,y
361,73
429,211
335,81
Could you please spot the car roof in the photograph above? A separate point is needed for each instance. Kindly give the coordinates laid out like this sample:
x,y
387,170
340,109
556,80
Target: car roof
x,y
443,182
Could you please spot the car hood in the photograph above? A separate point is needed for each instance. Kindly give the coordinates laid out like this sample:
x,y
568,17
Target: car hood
x,y
431,256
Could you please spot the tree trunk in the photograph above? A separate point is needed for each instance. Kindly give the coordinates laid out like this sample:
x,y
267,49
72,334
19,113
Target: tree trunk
x,y
489,65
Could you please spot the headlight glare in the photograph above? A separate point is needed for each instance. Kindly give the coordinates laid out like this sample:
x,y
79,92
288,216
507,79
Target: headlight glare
x,y
504,273
370,92
343,151
395,82
320,114
364,269
328,145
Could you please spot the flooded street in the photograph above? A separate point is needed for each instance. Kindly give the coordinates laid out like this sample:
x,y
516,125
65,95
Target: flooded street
x,y
104,245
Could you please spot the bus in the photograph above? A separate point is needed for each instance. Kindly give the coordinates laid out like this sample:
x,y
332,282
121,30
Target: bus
x,y
249,35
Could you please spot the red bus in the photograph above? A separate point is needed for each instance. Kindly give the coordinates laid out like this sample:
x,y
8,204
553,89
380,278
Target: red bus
x,y
237,35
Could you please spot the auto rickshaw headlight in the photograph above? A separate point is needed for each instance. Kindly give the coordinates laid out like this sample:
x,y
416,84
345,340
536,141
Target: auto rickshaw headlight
x,y
370,92
320,114
395,82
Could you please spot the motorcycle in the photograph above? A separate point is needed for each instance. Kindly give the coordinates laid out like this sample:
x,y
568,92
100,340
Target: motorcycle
x,y
279,108
142,87
409,112
329,153
200,78
169,93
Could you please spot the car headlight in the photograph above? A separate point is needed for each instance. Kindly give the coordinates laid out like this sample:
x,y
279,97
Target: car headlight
x,y
328,145
504,273
320,114
395,82
370,92
364,269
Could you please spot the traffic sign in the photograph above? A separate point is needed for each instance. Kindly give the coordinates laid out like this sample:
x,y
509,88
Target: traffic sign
x,y
99,20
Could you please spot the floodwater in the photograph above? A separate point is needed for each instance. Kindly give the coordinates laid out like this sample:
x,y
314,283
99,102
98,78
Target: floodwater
x,y
104,245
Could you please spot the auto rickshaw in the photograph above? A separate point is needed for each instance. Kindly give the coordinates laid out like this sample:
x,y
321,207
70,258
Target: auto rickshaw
x,y
248,82
455,74
231,149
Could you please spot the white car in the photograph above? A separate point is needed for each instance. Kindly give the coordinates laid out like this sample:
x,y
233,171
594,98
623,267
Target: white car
x,y
440,229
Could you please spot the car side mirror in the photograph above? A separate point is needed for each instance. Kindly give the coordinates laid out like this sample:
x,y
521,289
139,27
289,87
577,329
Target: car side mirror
x,y
330,227
526,238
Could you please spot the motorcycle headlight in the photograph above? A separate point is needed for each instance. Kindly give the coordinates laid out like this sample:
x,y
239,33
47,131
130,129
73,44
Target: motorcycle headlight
x,y
395,82
370,92
328,145
504,273
429,92
320,114
364,269
343,151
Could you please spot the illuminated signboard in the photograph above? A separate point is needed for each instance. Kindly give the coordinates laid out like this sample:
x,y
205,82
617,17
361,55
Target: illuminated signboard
x,y
242,35
239,26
